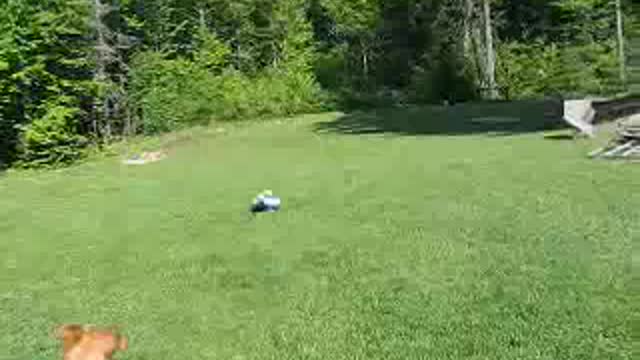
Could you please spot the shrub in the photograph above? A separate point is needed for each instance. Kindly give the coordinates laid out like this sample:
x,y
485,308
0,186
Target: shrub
x,y
271,93
168,93
52,140
175,93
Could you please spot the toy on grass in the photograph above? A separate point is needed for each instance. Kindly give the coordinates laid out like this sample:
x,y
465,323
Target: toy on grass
x,y
265,202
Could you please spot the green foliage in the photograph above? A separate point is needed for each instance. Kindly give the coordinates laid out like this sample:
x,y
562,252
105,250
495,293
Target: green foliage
x,y
356,24
175,93
273,93
52,140
167,92
296,48
44,60
530,70
212,54
354,17
584,21
158,65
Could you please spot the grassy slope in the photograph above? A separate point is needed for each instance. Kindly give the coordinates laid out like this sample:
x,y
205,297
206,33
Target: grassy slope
x,y
389,247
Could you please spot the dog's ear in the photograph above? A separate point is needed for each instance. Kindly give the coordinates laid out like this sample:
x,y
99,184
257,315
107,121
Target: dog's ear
x,y
69,331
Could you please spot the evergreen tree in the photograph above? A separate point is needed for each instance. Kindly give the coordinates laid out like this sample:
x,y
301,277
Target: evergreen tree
x,y
46,67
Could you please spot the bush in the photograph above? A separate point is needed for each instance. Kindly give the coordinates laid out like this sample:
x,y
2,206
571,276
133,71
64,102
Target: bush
x,y
272,93
167,93
175,93
52,140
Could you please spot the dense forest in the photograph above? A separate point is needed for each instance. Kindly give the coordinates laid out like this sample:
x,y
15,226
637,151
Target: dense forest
x,y
81,73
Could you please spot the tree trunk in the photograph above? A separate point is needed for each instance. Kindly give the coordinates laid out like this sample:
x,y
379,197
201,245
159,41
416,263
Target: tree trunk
x,y
365,59
128,123
365,64
110,70
202,19
491,56
101,43
101,56
621,50
468,28
478,50
472,43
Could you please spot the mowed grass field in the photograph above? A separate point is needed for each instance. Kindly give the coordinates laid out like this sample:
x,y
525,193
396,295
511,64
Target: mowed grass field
x,y
405,234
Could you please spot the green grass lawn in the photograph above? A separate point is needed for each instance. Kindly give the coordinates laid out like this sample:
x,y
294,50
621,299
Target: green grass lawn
x,y
405,234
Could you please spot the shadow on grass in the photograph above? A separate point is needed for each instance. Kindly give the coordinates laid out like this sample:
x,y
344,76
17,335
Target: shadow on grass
x,y
493,119
560,137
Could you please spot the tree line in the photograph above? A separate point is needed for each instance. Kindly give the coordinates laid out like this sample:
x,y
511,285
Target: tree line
x,y
81,73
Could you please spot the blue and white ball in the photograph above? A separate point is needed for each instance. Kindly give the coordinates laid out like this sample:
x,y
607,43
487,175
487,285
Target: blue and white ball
x,y
266,202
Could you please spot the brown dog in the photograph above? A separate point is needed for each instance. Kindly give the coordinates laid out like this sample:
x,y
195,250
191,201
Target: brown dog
x,y
85,343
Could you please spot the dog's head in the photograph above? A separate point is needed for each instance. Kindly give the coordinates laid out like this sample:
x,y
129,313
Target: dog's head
x,y
90,340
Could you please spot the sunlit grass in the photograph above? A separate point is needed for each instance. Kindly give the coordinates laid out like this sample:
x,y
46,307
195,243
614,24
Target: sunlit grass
x,y
387,247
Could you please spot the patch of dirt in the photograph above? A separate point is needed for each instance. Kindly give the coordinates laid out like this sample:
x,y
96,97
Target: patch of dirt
x,y
146,158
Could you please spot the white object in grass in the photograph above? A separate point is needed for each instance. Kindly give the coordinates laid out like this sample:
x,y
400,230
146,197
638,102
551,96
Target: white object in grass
x,y
580,114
